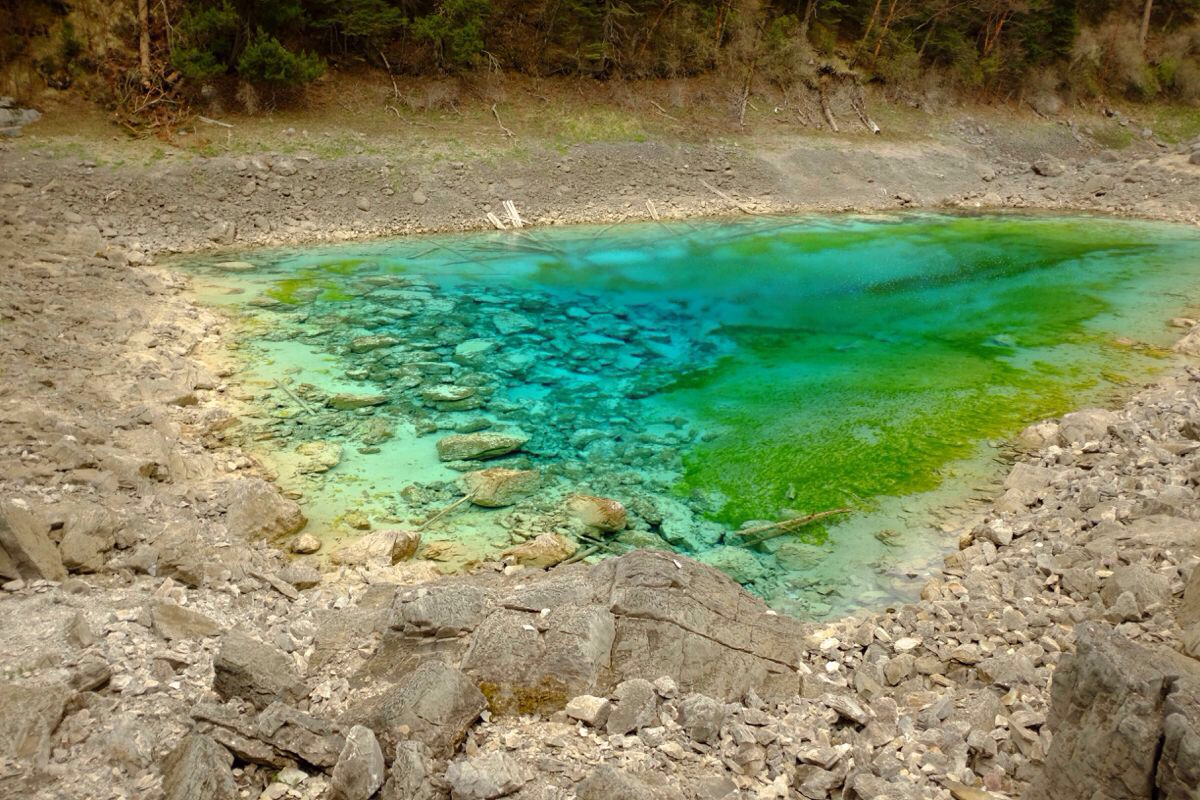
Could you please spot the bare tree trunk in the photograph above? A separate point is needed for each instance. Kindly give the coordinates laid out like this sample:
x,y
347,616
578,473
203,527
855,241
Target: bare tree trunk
x,y
871,23
1146,9
887,23
810,11
143,11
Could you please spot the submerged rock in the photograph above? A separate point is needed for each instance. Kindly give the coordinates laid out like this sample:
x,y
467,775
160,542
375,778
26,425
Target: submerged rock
x,y
345,401
478,446
474,352
318,457
446,393
234,266
498,486
365,344
736,562
603,513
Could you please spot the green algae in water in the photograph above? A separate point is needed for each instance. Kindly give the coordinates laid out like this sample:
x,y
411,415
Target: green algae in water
x,y
814,363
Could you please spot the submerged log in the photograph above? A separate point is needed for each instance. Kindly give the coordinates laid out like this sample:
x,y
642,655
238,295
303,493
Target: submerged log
x,y
776,529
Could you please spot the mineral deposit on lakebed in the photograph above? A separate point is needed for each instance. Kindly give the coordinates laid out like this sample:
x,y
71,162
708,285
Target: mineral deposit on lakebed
x,y
707,375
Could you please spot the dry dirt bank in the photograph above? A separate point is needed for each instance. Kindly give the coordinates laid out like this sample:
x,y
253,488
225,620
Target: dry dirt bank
x,y
153,637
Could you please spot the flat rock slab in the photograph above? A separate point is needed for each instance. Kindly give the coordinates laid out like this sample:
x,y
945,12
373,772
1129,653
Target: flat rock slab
x,y
584,629
172,621
276,737
478,446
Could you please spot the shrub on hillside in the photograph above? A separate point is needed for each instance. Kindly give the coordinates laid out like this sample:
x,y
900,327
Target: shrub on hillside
x,y
266,61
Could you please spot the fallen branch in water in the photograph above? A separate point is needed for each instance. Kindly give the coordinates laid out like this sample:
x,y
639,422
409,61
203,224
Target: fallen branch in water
x,y
297,400
445,511
786,526
580,555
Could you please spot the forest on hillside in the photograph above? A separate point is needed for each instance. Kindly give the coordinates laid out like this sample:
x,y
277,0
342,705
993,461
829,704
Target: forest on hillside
x,y
1137,49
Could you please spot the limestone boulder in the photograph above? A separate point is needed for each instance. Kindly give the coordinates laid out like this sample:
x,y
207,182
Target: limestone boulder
x,y
608,782
1188,612
359,771
1110,705
1147,586
1028,478
1080,427
636,707
589,709
255,671
544,550
485,777
602,513
31,715
277,736
410,775
380,548
199,769
1048,168
434,704
305,544
89,533
25,541
1038,435
1178,774
702,717
254,509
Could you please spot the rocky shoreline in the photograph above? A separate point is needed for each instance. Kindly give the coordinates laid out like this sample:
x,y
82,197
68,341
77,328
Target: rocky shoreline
x,y
158,645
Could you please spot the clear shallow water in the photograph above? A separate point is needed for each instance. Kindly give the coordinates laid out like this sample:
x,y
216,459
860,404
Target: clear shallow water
x,y
708,374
